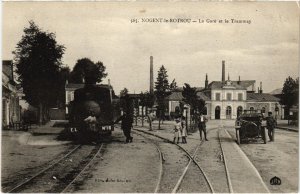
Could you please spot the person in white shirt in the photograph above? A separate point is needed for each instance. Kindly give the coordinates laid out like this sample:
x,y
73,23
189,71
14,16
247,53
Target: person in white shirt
x,y
177,130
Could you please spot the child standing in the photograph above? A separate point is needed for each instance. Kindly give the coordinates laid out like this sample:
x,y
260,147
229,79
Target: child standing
x,y
177,130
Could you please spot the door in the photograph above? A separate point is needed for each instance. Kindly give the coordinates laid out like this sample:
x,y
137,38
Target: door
x,y
217,112
228,112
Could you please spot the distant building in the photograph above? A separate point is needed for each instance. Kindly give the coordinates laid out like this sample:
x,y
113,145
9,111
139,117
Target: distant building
x,y
10,98
226,99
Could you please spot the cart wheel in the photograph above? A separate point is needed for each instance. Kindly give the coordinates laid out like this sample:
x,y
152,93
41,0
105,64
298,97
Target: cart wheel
x,y
238,139
265,135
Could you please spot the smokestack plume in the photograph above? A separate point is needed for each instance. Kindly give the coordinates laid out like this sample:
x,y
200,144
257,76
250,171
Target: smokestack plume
x,y
223,71
151,75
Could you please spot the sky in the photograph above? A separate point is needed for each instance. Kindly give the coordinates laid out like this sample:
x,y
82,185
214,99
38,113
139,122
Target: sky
x,y
265,49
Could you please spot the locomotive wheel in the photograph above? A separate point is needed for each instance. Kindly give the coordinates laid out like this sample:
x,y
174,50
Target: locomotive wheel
x,y
238,138
264,135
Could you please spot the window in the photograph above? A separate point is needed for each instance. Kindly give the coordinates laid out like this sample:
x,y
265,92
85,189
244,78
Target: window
x,y
240,96
228,96
263,110
218,95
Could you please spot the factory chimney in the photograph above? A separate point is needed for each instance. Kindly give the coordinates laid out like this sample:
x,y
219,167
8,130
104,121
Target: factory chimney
x,y
151,75
260,90
206,82
223,71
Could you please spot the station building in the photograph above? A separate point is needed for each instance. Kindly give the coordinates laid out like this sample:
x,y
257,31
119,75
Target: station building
x,y
226,99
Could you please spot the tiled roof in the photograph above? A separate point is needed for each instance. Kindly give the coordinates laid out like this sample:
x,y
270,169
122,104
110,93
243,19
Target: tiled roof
x,y
257,97
71,85
203,96
180,89
237,84
77,86
7,68
175,96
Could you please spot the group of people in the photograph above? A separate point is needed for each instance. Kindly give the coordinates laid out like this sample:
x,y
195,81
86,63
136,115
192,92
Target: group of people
x,y
181,132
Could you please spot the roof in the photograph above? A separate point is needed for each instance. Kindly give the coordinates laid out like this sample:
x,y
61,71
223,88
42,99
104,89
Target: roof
x,y
180,89
203,96
71,85
276,91
263,97
175,96
244,84
7,68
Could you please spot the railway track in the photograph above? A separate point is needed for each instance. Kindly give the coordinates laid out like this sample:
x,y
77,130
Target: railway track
x,y
58,176
225,163
161,159
191,160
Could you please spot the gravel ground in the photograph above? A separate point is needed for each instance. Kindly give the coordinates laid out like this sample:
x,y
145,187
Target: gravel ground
x,y
24,155
134,167
122,168
279,158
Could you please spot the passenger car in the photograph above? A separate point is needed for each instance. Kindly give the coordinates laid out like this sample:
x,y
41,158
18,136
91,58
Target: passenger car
x,y
250,125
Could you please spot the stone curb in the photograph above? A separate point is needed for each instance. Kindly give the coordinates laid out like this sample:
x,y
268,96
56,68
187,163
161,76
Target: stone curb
x,y
287,129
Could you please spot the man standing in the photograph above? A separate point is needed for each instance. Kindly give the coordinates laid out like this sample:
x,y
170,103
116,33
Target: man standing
x,y
271,123
126,125
150,117
202,126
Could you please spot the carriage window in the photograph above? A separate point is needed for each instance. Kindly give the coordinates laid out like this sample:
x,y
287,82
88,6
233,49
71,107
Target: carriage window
x,y
218,96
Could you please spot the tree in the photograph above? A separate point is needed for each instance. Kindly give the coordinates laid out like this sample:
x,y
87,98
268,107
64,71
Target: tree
x,y
161,91
86,71
190,97
38,60
123,92
290,93
173,85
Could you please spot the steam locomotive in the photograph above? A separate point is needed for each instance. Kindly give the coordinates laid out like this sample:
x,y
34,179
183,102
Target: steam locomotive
x,y
93,112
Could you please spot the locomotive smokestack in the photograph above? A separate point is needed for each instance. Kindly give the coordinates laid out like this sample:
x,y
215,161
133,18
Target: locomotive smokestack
x,y
151,75
223,71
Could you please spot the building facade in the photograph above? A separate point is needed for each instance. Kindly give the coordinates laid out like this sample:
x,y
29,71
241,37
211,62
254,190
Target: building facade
x,y
227,99
10,98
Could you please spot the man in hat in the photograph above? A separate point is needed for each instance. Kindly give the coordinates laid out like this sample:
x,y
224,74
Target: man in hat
x,y
202,126
126,125
271,123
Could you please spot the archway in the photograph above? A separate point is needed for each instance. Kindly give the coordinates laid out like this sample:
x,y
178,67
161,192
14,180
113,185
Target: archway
x,y
228,112
239,111
217,112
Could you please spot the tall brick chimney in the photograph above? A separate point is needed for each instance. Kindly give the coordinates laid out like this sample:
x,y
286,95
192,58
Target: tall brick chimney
x,y
151,75
260,90
223,71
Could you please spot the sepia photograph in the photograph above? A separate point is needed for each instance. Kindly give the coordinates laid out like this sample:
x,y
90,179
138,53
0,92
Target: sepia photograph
x,y
150,97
